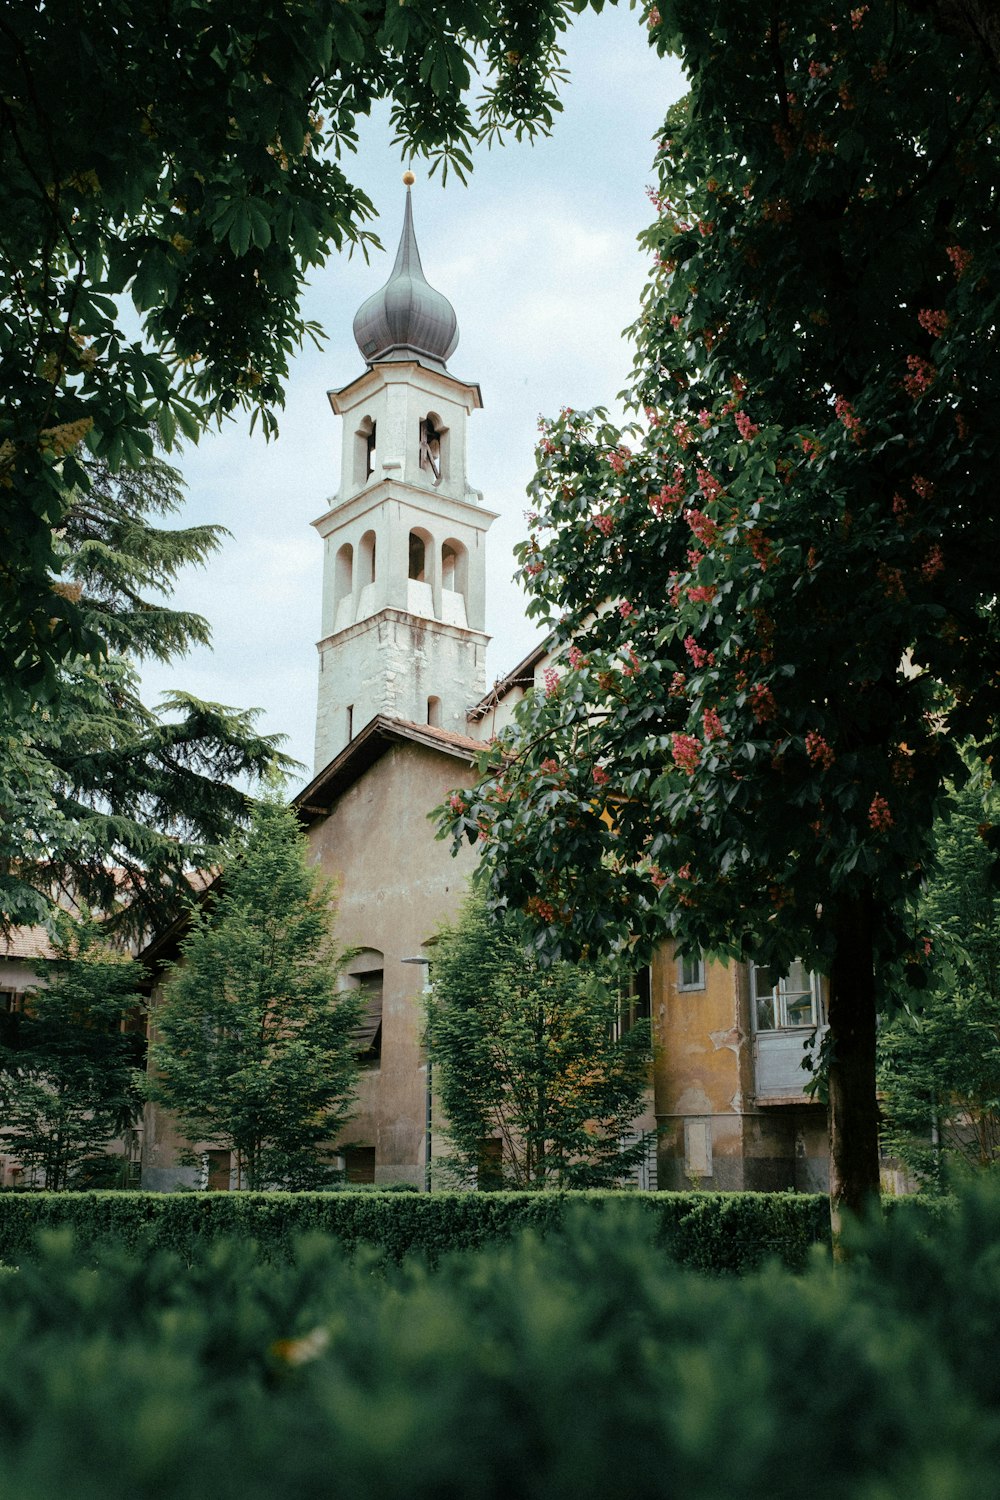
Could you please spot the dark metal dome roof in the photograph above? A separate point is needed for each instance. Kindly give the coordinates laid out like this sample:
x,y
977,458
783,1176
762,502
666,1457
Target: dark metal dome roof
x,y
407,319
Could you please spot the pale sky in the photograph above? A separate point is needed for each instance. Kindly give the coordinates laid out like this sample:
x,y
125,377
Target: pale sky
x,y
538,257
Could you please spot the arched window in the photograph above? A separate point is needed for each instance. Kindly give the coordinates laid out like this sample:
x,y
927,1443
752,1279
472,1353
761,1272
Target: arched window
x,y
366,973
454,582
364,451
418,556
434,712
366,558
434,447
454,567
343,575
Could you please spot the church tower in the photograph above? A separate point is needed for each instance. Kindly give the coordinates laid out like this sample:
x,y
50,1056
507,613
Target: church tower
x,y
404,575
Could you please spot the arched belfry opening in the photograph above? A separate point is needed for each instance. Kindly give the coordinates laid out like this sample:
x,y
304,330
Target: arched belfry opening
x,y
454,582
420,584
434,448
364,451
343,587
418,556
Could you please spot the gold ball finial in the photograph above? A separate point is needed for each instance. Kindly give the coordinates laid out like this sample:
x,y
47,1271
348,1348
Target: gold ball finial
x,y
409,179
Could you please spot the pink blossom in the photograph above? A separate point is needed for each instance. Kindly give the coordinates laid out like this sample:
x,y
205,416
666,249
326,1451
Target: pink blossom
x,y
879,815
605,524
704,528
762,702
699,656
747,429
671,495
702,593
549,766
712,725
704,417
626,610
923,487
619,458
676,688
960,259
551,679
933,564
933,322
682,433
921,377
686,752
600,776
576,657
456,803
819,751
845,412
709,485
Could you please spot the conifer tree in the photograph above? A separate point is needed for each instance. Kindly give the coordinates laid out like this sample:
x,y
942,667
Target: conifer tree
x,y
254,1047
103,799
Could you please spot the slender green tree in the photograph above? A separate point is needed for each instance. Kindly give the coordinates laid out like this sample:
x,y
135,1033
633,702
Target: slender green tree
x,y
254,1045
540,1058
776,592
71,1065
939,1058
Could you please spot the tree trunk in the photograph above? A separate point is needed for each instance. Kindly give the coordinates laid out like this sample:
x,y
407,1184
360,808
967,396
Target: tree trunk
x,y
853,1109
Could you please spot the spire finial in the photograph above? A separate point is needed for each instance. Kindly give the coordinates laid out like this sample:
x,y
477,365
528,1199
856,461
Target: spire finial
x,y
407,318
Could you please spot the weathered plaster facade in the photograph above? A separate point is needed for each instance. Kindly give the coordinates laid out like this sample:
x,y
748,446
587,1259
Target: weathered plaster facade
x,y
716,1127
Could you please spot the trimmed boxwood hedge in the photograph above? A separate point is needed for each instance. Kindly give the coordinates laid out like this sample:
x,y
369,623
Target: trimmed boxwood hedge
x,y
573,1365
733,1232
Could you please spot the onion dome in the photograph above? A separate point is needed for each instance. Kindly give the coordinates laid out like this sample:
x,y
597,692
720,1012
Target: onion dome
x,y
407,319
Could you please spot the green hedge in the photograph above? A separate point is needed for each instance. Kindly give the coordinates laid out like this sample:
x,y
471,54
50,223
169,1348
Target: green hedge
x,y
705,1231
574,1366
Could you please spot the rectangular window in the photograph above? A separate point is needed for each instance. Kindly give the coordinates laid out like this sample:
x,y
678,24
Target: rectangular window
x,y
220,1165
784,1002
691,972
489,1168
368,1037
359,1164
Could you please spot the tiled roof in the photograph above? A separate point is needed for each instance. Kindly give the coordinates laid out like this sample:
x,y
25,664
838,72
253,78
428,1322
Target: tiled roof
x,y
366,748
26,943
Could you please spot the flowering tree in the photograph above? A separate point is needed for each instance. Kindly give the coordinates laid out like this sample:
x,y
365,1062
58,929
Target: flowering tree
x,y
775,592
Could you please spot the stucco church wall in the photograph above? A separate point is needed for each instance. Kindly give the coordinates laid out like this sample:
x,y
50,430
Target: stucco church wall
x,y
398,884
